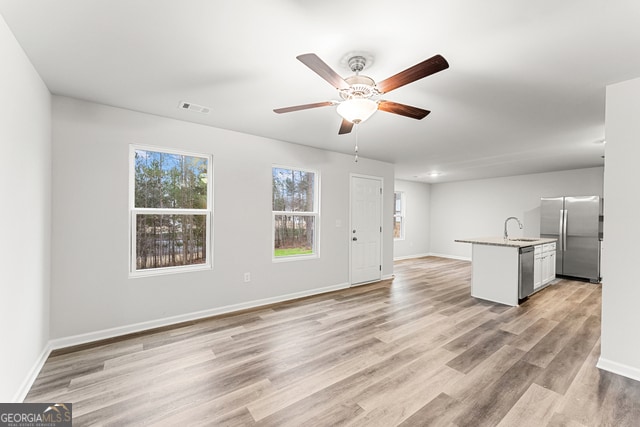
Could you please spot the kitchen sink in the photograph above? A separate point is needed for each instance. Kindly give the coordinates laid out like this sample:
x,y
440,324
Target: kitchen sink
x,y
524,239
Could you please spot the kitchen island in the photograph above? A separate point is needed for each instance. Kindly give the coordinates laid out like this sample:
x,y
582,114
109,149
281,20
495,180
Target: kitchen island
x,y
496,267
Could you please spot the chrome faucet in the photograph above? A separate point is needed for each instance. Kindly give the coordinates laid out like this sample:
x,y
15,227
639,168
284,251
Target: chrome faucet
x,y
506,235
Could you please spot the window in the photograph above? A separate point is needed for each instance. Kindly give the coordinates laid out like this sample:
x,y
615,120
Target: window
x,y
295,213
398,216
171,206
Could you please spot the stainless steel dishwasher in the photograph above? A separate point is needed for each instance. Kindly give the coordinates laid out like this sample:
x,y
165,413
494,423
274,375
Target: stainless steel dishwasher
x,y
525,272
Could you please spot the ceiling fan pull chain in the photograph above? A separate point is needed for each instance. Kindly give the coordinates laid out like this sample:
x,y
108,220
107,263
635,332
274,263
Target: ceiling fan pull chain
x,y
355,149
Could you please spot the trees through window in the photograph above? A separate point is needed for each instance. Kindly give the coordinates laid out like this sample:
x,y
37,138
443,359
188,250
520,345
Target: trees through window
x,y
170,209
295,212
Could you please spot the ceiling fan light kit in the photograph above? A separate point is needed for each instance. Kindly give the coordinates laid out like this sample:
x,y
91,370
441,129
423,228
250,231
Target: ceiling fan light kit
x,y
357,110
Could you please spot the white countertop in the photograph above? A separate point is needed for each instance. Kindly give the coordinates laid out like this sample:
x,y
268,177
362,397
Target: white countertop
x,y
513,242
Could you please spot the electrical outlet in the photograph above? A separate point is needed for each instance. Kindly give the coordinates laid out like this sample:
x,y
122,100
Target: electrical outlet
x,y
247,277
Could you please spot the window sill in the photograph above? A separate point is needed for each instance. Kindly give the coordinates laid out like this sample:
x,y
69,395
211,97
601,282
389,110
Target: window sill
x,y
294,258
169,270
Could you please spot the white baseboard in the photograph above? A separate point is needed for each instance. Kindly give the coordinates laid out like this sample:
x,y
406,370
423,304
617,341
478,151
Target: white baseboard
x,y
619,368
32,375
432,254
461,258
138,327
410,257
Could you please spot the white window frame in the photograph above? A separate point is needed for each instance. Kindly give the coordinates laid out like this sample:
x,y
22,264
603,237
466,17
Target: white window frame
x,y
133,211
401,215
315,214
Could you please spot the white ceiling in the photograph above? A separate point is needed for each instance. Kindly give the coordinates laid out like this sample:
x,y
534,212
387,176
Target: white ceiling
x,y
524,93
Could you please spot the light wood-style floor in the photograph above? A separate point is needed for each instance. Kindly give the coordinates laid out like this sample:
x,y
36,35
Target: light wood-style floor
x,y
414,351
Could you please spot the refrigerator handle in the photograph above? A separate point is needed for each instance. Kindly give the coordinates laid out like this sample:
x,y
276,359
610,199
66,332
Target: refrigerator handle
x,y
564,230
560,229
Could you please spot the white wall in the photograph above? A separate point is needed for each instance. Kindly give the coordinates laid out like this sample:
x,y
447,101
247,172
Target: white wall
x,y
479,208
92,292
25,217
417,219
620,290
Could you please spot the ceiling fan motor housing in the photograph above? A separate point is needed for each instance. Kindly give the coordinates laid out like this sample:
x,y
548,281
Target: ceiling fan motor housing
x,y
359,87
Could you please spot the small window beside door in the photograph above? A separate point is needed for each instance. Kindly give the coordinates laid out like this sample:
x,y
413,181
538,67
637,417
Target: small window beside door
x,y
295,213
398,216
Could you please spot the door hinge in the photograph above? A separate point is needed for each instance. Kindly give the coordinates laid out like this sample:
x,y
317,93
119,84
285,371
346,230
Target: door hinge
x,y
380,190
380,268
381,229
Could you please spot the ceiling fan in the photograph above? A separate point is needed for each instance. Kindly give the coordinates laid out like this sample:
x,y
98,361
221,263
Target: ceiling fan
x,y
361,94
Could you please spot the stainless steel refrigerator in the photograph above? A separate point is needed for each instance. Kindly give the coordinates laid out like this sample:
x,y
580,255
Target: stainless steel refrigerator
x,y
577,224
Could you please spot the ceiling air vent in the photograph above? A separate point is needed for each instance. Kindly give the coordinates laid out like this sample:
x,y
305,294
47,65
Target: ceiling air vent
x,y
194,107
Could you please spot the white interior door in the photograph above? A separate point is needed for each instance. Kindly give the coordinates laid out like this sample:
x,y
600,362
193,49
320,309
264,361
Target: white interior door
x,y
366,229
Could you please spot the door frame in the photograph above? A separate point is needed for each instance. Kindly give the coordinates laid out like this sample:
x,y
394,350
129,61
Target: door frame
x,y
381,180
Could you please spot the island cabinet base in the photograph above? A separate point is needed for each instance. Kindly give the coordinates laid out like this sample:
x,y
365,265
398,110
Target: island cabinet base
x,y
495,273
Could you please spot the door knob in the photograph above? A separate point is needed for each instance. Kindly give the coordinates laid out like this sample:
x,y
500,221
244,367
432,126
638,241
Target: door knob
x,y
354,239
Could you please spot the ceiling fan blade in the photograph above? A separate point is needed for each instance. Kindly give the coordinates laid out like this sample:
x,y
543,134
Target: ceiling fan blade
x,y
303,107
425,68
317,65
403,110
345,127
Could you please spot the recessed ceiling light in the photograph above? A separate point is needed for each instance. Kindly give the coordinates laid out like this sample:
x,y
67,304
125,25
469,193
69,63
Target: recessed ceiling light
x,y
434,174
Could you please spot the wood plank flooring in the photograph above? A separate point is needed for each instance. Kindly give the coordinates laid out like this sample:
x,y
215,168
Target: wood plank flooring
x,y
414,351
